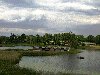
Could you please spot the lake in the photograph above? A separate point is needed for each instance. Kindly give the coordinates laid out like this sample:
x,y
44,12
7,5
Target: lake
x,y
70,63
17,47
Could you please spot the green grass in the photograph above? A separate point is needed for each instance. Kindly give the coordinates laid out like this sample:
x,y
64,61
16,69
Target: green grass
x,y
95,47
91,47
74,51
7,68
41,53
48,53
12,45
9,59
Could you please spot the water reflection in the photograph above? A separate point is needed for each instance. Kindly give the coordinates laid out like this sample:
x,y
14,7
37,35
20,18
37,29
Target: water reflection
x,y
65,63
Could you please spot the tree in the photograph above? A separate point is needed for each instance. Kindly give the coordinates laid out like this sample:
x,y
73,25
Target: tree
x,y
80,38
23,38
38,38
90,38
73,41
3,39
47,38
12,38
97,39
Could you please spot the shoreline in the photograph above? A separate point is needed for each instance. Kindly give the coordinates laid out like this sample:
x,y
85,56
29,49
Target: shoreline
x,y
93,47
8,60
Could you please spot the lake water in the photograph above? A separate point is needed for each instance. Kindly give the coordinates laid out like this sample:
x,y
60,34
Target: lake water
x,y
17,47
90,65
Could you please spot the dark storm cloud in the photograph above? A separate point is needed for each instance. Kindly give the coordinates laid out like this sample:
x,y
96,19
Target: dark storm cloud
x,y
87,29
26,24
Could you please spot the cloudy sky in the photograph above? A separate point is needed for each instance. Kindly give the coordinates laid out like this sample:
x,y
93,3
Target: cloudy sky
x,y
49,16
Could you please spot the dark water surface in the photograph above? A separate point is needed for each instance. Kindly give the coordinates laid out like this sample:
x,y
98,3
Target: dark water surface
x,y
90,65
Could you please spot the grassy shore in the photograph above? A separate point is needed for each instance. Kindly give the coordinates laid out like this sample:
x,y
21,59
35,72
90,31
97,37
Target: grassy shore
x,y
91,47
94,47
12,45
48,53
9,59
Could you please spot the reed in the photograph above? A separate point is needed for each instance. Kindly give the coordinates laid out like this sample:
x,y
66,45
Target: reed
x,y
9,59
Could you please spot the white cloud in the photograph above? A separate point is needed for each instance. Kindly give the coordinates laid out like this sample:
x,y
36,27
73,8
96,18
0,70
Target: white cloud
x,y
58,4
48,1
19,30
19,14
55,19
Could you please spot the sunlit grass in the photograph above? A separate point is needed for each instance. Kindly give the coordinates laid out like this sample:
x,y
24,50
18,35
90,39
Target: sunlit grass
x,y
9,55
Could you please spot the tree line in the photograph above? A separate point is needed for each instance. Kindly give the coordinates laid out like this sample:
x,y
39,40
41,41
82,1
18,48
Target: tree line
x,y
61,39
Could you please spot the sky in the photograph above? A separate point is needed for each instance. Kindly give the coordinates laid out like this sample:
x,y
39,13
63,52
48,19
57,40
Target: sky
x,y
49,16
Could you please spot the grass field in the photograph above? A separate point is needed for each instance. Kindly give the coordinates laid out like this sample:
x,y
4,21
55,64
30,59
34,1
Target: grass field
x,y
9,59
